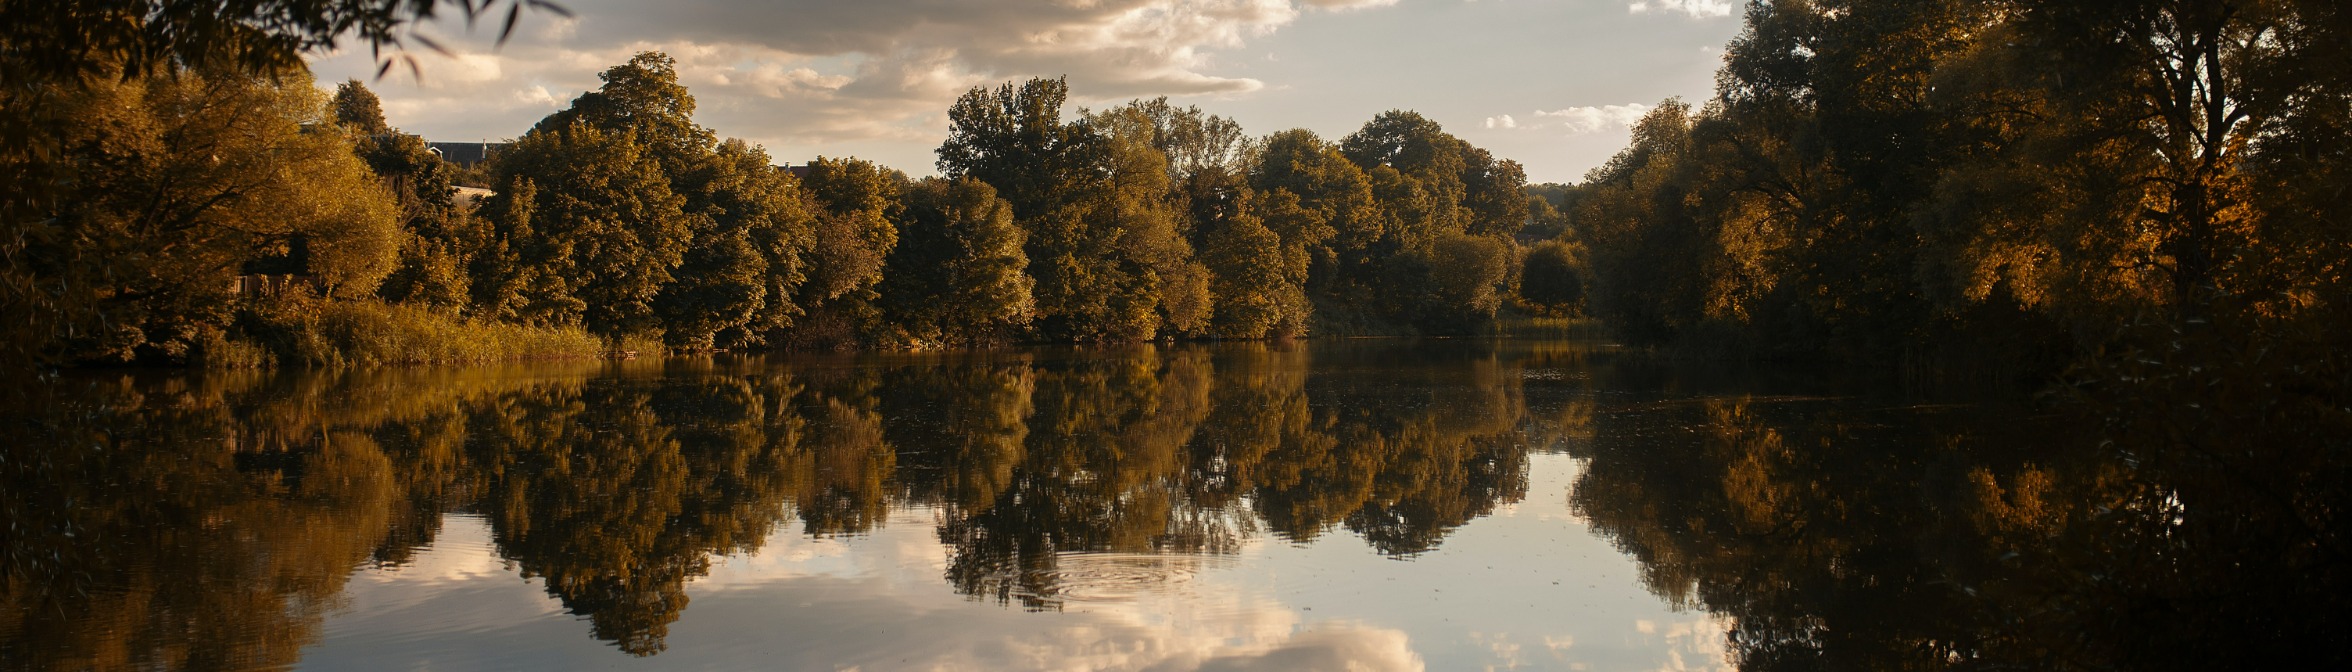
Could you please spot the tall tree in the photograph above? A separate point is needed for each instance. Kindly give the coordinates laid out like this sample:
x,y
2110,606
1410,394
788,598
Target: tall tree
x,y
856,227
739,279
643,96
958,275
595,239
1104,245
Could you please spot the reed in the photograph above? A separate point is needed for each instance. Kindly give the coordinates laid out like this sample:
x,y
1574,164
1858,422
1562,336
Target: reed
x,y
303,331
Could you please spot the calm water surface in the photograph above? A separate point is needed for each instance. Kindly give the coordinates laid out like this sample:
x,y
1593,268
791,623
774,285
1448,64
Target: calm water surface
x,y
1382,505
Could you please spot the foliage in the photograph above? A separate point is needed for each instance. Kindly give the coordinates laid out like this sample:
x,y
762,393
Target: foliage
x,y
859,202
128,242
749,256
2135,203
590,242
302,331
55,42
958,275
1551,278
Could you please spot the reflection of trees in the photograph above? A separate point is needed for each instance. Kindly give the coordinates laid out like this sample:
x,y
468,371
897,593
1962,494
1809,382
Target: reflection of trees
x,y
1105,446
842,468
1174,453
1796,518
619,493
229,509
965,426
1846,538
1401,456
147,529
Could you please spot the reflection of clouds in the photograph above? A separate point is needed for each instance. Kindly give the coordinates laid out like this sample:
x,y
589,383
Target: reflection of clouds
x,y
841,623
871,603
1501,652
1695,644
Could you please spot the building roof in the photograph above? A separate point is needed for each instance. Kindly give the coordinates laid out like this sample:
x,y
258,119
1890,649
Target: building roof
x,y
465,153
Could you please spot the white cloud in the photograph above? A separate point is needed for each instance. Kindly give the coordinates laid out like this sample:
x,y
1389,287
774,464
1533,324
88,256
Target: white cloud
x,y
1697,9
1581,120
1575,120
796,73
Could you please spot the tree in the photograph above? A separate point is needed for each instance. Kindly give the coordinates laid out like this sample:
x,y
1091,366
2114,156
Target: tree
x,y
856,228
643,96
1424,156
1257,296
1104,247
742,272
58,42
594,238
55,55
1552,278
358,110
958,275
1467,276
1643,257
1192,140
166,190
1143,206
443,236
1340,195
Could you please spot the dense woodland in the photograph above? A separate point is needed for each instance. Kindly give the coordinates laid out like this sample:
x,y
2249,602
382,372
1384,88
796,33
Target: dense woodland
x,y
620,217
2137,208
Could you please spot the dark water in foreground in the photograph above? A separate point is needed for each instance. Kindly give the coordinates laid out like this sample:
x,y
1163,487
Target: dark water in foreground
x,y
1382,505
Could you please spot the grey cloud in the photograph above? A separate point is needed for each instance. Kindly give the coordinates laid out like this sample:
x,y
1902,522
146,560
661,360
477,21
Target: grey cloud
x,y
813,72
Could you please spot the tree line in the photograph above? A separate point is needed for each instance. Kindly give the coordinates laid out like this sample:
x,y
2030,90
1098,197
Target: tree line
x,y
1890,177
1144,221
620,217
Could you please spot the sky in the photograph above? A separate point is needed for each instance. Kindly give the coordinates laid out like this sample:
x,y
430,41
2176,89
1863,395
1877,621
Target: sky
x,y
1551,84
1529,586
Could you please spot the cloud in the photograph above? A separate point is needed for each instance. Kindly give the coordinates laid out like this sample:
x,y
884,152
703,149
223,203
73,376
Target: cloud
x,y
1697,9
871,603
1575,120
1343,5
812,72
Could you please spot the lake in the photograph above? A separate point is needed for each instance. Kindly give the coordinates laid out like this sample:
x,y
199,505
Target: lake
x,y
1353,504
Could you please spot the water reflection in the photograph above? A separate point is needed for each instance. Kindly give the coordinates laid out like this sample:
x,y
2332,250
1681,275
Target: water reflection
x,y
209,521
216,521
1902,537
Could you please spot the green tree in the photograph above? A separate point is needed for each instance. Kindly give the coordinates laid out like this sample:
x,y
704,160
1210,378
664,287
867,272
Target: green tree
x,y
1143,206
859,204
1552,278
1104,245
358,110
443,236
1258,249
163,190
1352,228
1254,292
643,96
94,39
592,241
958,275
737,283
